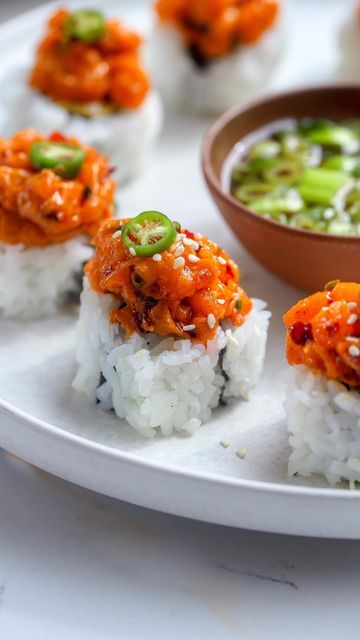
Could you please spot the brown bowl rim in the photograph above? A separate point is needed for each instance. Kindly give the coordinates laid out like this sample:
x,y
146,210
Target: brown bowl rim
x,y
229,115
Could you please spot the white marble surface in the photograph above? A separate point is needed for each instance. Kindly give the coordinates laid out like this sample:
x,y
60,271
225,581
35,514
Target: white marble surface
x,y
79,566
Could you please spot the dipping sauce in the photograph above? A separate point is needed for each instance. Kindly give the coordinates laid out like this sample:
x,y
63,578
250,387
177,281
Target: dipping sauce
x,y
305,174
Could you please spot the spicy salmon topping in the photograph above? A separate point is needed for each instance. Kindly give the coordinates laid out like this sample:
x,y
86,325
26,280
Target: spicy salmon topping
x,y
323,333
39,205
185,289
84,58
214,28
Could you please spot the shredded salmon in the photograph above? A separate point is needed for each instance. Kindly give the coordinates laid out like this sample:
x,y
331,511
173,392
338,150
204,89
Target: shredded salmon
x,y
323,333
213,28
38,208
108,71
187,302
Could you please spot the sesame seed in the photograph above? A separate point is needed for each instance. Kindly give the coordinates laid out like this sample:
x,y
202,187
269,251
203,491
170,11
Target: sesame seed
x,y
325,309
225,444
221,260
178,262
198,236
351,339
117,234
193,258
352,305
191,243
241,453
352,319
157,257
179,251
354,351
188,327
211,320
57,199
132,251
221,301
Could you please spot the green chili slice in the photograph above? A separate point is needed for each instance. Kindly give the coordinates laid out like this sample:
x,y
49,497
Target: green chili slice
x,y
86,25
64,159
283,172
149,233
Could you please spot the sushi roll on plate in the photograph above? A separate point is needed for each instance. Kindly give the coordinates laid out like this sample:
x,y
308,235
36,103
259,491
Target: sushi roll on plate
x,y
54,192
166,333
323,398
87,80
206,56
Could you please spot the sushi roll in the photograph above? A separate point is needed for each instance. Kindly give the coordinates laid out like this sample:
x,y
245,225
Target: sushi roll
x,y
166,333
54,192
87,80
206,56
323,398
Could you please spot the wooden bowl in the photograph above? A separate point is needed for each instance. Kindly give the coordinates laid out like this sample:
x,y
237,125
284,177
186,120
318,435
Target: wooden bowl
x,y
303,258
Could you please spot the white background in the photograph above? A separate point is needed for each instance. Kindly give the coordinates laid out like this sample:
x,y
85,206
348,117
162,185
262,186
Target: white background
x,y
78,566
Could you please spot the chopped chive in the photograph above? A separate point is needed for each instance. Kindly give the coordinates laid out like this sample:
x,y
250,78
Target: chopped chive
x,y
265,149
334,136
341,163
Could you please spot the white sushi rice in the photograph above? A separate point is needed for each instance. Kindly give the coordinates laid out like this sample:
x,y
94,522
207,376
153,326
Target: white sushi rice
x,y
222,84
125,137
34,282
164,384
323,419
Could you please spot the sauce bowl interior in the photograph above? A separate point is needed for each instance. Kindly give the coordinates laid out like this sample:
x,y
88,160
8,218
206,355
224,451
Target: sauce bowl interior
x,y
304,258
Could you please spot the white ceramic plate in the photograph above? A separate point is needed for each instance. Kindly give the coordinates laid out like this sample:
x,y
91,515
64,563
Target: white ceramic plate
x,y
44,422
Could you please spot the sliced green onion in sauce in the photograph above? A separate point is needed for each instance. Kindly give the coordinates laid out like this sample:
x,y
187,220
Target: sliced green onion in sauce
x,y
305,174
333,136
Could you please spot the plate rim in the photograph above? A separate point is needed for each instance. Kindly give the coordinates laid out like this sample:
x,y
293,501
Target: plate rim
x,y
275,490
123,456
